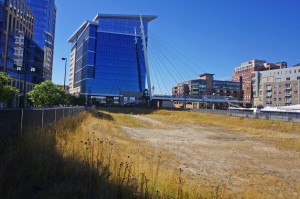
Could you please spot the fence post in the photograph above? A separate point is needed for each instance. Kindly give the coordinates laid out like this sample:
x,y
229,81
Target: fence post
x,y
55,115
43,118
63,113
21,127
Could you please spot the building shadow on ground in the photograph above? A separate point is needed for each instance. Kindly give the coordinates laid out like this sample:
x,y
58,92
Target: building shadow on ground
x,y
32,167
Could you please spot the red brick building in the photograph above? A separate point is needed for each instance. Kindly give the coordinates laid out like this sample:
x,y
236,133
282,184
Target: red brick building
x,y
243,73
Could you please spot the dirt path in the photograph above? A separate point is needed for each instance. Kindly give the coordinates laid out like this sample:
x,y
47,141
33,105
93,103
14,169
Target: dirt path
x,y
212,156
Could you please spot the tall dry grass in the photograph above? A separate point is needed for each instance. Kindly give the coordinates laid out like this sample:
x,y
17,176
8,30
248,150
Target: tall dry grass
x,y
135,165
88,157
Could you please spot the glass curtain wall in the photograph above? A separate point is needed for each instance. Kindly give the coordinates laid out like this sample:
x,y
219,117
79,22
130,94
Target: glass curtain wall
x,y
3,15
119,58
44,30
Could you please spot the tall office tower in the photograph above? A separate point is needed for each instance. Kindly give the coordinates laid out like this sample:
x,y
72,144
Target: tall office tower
x,y
15,17
44,30
107,56
20,56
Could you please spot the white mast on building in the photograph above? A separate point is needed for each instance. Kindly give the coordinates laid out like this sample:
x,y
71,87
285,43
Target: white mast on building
x,y
146,58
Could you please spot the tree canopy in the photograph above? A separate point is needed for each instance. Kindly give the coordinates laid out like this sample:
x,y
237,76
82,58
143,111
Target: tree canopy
x,y
7,92
48,94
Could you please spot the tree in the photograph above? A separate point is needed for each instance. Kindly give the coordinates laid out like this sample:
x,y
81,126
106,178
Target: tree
x,y
7,92
48,94
76,100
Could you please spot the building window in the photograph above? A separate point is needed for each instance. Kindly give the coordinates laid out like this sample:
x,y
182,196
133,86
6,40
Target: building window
x,y
287,99
298,77
288,78
268,94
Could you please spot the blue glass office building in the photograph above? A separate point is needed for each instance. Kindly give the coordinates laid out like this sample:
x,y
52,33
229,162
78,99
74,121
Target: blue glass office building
x,y
17,48
44,30
107,56
20,57
3,32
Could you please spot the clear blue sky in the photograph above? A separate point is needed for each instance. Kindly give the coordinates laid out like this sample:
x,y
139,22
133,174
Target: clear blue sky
x,y
217,35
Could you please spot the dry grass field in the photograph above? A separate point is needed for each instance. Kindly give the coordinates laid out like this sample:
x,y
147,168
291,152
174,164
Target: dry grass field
x,y
160,154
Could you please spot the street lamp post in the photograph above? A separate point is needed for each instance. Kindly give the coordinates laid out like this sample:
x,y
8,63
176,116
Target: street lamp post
x,y
19,72
32,69
212,105
63,58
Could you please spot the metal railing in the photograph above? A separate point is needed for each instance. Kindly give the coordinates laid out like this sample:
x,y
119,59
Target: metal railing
x,y
16,120
292,117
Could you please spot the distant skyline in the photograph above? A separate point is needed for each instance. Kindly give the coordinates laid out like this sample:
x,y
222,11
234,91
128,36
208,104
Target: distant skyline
x,y
216,35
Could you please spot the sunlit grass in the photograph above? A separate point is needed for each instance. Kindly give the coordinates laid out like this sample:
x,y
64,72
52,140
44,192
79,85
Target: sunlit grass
x,y
278,133
131,163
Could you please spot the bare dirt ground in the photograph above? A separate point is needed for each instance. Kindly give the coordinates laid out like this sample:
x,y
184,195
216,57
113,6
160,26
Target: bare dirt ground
x,y
215,156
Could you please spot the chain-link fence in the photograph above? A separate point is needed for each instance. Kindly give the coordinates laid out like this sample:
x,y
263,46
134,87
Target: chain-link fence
x,y
15,120
292,117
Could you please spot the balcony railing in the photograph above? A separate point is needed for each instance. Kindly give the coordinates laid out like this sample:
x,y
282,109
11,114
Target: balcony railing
x,y
269,88
287,93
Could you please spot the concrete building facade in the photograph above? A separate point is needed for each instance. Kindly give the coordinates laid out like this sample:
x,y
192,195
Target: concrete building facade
x,y
206,86
279,87
243,73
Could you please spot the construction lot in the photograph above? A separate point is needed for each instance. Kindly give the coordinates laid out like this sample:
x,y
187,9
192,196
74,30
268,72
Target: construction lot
x,y
219,156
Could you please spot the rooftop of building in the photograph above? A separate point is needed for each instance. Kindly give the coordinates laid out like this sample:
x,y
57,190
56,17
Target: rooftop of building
x,y
206,74
125,16
252,61
148,18
81,28
296,65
